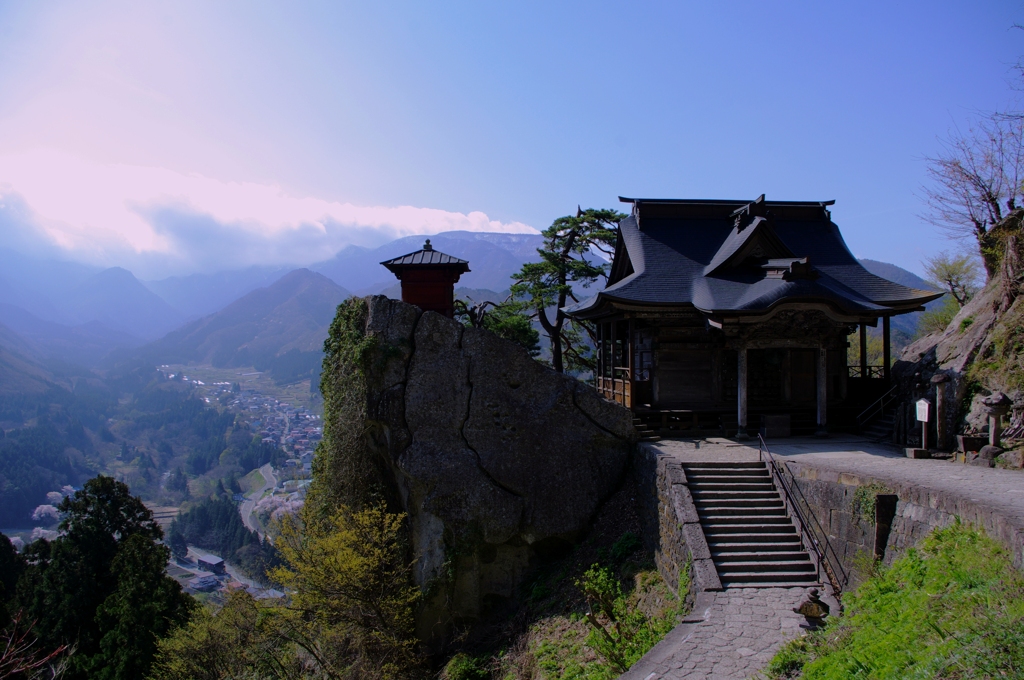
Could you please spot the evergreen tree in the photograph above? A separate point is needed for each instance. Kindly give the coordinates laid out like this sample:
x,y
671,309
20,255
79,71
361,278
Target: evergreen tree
x,y
11,566
176,541
101,586
567,258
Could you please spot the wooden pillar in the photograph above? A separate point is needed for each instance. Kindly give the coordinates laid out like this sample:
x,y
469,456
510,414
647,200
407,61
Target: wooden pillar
x,y
630,348
741,393
615,397
863,350
822,379
787,376
886,361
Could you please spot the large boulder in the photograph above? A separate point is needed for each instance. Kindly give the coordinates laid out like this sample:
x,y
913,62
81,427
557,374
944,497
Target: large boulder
x,y
498,460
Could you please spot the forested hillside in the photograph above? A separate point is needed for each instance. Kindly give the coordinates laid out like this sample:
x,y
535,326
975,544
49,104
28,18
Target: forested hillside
x,y
137,425
280,329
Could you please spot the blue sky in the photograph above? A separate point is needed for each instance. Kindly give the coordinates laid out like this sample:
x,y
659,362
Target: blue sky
x,y
190,136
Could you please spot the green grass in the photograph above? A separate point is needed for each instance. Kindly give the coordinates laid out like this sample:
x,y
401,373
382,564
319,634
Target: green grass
x,y
953,608
252,481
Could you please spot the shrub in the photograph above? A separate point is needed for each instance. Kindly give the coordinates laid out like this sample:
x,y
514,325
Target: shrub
x,y
620,632
954,608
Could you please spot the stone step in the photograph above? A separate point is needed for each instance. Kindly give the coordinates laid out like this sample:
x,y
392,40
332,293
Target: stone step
x,y
759,547
740,506
758,567
746,518
759,470
795,578
752,529
740,499
742,512
727,557
696,466
693,479
718,541
702,495
733,486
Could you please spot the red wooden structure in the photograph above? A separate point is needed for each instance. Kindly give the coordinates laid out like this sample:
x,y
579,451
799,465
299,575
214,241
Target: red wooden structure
x,y
428,278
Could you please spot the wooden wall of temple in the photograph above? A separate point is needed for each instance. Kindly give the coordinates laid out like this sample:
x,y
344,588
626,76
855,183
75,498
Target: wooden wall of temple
x,y
681,363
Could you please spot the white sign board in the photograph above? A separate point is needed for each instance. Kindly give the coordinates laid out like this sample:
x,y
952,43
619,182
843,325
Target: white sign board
x,y
923,410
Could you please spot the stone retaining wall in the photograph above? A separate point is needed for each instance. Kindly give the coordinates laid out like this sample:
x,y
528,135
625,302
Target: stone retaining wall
x,y
671,527
832,496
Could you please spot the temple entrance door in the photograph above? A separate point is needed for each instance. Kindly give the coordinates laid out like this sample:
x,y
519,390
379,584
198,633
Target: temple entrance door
x,y
643,364
764,377
803,372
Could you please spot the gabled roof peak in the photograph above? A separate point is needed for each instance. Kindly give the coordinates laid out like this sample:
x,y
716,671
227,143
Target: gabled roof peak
x,y
426,257
754,239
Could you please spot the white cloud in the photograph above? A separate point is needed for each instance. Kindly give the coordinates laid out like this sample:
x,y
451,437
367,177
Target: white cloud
x,y
165,221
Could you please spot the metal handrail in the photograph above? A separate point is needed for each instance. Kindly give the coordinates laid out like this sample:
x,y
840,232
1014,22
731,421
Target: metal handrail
x,y
877,407
811,539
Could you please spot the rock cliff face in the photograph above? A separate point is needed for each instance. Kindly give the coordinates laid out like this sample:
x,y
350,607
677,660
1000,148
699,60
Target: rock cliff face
x,y
979,351
498,460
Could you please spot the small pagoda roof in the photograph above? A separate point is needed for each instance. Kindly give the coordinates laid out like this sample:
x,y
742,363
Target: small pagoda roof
x,y
741,258
426,257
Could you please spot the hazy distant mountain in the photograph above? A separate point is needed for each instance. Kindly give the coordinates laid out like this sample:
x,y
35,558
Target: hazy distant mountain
x,y
119,301
36,285
84,345
202,294
280,328
20,373
493,258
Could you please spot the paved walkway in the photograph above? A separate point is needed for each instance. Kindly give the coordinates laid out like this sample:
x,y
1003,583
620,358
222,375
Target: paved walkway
x,y
732,634
736,632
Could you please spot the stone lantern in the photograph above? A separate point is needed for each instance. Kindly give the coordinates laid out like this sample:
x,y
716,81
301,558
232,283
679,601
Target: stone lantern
x,y
996,406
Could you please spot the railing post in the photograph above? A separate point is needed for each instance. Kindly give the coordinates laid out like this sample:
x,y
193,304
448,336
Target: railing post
x,y
863,350
741,393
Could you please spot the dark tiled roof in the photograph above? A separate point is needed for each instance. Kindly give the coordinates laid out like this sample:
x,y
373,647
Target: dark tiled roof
x,y
427,256
686,253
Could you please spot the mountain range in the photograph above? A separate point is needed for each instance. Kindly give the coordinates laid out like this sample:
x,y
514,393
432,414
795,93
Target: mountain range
x,y
280,329
493,258
272,318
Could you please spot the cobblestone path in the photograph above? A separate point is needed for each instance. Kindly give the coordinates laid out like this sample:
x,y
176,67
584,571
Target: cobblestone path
x,y
731,634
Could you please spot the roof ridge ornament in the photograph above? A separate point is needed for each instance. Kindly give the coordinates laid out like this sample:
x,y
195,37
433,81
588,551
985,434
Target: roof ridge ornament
x,y
427,246
754,209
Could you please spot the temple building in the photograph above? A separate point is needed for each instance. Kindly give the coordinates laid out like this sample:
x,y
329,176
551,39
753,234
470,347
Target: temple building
x,y
731,315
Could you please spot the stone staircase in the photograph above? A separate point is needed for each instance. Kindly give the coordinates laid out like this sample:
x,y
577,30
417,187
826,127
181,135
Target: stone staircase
x,y
753,541
880,429
644,432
